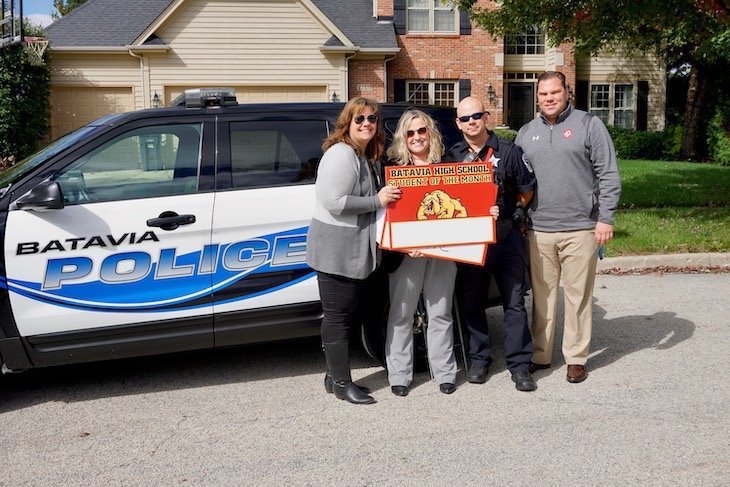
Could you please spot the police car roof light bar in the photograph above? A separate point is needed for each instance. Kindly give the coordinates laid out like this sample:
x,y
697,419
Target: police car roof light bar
x,y
206,97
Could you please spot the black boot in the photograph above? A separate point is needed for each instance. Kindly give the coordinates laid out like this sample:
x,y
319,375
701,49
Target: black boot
x,y
329,388
337,355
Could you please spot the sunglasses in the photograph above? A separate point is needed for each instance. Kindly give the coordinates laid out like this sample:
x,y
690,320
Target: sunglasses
x,y
372,118
420,131
475,116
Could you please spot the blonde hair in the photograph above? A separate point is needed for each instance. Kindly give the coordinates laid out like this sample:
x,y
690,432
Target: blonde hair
x,y
341,132
398,150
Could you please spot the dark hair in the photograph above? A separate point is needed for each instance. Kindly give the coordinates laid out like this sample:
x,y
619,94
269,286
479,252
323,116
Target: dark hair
x,y
553,74
341,132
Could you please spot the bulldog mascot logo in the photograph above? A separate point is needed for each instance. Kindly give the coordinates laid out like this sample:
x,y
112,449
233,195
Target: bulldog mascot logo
x,y
438,204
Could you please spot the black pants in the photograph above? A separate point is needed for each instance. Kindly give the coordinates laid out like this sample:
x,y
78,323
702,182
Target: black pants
x,y
506,261
341,302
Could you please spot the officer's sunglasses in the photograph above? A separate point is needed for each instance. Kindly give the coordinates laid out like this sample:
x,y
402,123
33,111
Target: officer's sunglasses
x,y
372,118
475,116
419,131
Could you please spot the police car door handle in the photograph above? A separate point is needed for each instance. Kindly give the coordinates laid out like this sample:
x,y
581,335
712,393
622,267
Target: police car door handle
x,y
169,220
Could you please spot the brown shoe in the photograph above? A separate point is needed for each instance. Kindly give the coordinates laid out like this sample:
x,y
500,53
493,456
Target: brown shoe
x,y
576,373
535,367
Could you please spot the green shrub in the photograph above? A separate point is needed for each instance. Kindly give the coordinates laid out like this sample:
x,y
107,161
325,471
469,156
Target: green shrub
x,y
674,137
718,134
506,134
634,144
24,108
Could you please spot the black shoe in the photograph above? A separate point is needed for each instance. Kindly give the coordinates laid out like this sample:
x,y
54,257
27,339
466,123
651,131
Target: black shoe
x,y
477,373
351,393
523,381
535,367
329,389
447,387
399,390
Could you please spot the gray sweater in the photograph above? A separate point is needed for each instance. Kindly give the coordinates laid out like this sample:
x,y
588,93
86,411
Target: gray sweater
x,y
577,175
341,237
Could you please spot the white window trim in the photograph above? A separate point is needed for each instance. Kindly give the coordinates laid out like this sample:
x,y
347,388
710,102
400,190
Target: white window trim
x,y
612,100
431,83
537,46
431,30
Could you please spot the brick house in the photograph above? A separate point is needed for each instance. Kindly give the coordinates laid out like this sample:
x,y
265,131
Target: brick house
x,y
110,56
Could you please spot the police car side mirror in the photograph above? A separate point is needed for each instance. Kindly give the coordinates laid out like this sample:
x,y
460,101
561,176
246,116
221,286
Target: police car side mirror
x,y
45,196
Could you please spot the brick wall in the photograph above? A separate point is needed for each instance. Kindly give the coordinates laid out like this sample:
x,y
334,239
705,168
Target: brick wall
x,y
384,8
568,68
452,57
366,78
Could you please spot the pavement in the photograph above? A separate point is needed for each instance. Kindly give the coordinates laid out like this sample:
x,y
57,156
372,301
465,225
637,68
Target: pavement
x,y
653,411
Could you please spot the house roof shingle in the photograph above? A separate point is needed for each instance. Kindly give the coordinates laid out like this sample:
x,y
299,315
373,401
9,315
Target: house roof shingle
x,y
111,23
105,23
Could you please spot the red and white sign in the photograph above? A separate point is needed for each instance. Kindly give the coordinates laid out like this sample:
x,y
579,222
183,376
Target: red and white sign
x,y
443,211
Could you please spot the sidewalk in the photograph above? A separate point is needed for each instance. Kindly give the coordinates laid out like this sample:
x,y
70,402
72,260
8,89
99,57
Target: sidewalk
x,y
644,262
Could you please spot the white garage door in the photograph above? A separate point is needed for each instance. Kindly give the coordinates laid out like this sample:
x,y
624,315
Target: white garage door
x,y
262,94
72,107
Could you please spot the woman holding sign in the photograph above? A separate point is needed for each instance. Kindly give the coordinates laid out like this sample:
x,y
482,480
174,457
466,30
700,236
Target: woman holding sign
x,y
418,142
341,238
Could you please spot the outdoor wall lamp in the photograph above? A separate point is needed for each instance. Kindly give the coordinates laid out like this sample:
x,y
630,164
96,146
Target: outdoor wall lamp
x,y
335,98
155,101
491,94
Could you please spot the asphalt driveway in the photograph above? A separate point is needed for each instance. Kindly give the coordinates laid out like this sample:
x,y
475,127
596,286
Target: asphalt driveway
x,y
654,411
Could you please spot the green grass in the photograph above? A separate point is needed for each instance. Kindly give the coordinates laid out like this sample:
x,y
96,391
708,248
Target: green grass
x,y
672,207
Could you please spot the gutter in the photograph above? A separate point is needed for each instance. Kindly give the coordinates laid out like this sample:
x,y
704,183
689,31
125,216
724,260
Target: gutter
x,y
145,86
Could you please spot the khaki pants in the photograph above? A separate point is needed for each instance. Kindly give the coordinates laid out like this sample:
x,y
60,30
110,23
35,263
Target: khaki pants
x,y
573,256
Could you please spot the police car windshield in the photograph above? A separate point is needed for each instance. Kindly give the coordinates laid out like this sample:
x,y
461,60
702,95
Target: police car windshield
x,y
29,163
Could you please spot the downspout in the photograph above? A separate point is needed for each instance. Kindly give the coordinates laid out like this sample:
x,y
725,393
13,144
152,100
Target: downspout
x,y
385,77
145,90
347,76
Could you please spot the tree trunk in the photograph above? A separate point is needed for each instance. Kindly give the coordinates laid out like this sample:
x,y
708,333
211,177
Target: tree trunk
x,y
694,135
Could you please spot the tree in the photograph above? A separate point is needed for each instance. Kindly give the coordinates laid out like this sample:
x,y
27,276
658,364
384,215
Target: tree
x,y
66,6
24,107
686,33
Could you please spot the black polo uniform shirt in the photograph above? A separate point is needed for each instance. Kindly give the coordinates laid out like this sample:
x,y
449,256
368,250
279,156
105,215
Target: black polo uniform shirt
x,y
512,173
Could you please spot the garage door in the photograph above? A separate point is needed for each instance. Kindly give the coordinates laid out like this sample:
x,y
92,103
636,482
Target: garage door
x,y
75,106
263,94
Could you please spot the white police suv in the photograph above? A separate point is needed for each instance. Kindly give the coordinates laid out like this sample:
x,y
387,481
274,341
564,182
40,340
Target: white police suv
x,y
165,230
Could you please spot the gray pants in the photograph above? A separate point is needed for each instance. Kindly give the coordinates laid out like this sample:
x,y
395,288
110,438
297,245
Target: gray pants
x,y
435,277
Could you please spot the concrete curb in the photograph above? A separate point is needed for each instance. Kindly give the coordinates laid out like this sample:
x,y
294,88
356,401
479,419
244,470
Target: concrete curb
x,y
721,259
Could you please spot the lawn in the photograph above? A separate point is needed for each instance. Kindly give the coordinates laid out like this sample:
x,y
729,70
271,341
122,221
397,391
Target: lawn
x,y
670,207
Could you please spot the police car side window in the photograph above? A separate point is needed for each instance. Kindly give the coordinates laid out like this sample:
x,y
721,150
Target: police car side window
x,y
147,162
275,153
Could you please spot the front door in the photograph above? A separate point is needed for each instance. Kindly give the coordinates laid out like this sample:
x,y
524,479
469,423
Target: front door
x,y
521,104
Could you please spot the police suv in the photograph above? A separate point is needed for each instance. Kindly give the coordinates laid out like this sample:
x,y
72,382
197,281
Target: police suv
x,y
166,230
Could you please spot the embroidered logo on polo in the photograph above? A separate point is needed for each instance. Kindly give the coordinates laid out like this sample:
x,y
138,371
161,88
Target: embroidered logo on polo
x,y
568,134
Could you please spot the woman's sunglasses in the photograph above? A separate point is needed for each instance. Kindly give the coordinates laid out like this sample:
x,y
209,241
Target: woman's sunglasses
x,y
475,116
420,131
372,118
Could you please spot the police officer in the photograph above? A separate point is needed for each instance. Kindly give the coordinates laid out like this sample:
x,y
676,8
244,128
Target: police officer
x,y
506,259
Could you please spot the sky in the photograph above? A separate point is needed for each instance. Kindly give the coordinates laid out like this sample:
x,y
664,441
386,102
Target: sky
x,y
38,11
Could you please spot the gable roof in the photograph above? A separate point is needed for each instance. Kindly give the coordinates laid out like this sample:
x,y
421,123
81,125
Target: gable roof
x,y
105,23
111,23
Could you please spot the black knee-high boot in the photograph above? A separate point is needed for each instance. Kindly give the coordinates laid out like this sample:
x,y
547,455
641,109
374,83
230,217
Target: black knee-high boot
x,y
329,387
337,355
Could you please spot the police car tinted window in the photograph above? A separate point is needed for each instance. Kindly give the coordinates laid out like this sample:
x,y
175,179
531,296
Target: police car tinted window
x,y
29,163
146,162
275,153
